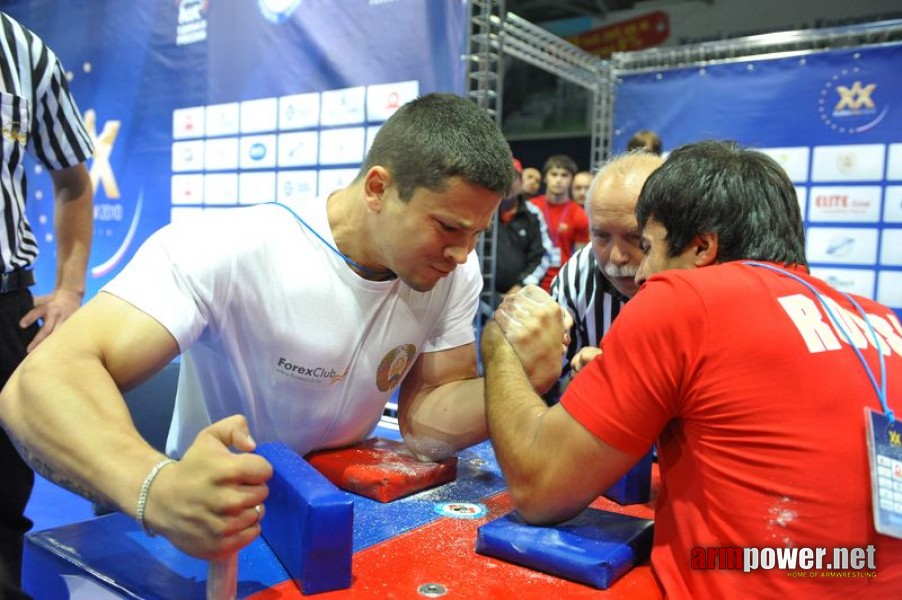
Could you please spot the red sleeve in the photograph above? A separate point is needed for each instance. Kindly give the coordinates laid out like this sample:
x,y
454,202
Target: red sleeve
x,y
628,395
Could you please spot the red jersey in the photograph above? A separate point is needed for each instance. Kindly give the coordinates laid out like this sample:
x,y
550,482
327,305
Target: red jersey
x,y
568,226
757,404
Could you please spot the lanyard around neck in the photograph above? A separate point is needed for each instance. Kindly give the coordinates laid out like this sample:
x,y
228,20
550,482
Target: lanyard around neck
x,y
879,389
368,272
546,209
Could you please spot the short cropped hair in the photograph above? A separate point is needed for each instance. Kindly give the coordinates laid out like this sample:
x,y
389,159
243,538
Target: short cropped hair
x,y
560,161
742,195
438,136
645,139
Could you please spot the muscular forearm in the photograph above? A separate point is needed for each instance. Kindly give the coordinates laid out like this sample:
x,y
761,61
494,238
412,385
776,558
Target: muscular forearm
x,y
445,419
69,421
553,466
514,412
65,411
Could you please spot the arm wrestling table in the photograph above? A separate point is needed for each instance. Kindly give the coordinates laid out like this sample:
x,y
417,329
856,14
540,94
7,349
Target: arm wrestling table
x,y
403,549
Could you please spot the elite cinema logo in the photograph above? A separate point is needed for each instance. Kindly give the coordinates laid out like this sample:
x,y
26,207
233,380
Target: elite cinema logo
x,y
796,562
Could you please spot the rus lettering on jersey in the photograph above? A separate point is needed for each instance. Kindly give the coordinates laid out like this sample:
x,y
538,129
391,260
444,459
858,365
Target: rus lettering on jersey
x,y
894,321
821,333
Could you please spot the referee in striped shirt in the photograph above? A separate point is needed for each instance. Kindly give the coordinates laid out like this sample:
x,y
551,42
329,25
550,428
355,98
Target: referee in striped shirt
x,y
37,115
596,282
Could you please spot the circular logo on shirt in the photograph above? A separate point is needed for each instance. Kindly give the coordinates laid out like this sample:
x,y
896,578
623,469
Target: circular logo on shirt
x,y
393,366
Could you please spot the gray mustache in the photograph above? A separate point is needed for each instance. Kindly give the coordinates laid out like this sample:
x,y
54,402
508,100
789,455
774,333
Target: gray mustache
x,y
620,270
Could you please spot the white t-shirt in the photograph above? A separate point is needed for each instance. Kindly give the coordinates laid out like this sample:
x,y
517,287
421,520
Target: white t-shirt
x,y
275,326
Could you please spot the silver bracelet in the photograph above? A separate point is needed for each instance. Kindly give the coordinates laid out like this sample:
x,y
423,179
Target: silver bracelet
x,y
142,498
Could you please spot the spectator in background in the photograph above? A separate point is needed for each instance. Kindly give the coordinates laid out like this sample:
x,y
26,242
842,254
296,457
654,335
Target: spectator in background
x,y
646,140
580,187
523,247
568,226
39,116
596,282
532,181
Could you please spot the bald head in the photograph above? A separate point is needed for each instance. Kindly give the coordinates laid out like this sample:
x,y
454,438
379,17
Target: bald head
x,y
611,206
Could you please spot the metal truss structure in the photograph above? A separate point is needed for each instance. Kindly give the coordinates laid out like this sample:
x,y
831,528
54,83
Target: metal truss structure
x,y
496,34
757,47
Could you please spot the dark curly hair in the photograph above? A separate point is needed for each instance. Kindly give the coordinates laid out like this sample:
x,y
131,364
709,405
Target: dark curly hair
x,y
742,195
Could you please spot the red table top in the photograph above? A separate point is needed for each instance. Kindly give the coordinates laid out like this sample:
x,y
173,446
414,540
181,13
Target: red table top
x,y
443,553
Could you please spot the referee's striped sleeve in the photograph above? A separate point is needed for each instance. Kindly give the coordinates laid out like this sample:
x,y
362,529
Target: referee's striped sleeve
x,y
56,132
39,116
574,289
582,289
60,139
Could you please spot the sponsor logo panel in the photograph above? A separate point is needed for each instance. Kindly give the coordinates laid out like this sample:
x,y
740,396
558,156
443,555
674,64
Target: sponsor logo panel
x,y
851,281
859,162
860,204
794,161
841,245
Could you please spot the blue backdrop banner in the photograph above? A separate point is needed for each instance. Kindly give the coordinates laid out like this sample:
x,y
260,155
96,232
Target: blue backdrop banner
x,y
832,119
209,104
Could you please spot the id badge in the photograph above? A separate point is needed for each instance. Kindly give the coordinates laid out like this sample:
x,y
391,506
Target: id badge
x,y
555,257
885,460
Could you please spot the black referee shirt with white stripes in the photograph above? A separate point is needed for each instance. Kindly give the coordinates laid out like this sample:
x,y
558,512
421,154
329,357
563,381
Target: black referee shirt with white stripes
x,y
591,299
38,115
